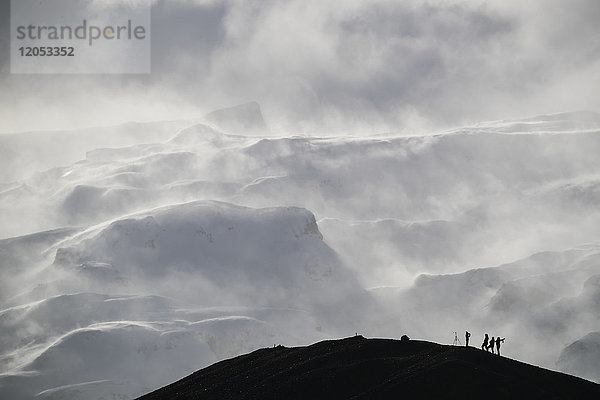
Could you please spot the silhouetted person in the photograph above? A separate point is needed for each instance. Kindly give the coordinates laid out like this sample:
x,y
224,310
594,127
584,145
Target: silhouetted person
x,y
498,341
492,343
467,336
484,345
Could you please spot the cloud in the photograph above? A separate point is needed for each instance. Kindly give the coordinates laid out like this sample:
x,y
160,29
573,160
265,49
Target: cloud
x,y
337,65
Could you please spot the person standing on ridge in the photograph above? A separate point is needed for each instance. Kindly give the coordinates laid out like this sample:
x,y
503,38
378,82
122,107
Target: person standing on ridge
x,y
498,341
467,336
492,343
484,346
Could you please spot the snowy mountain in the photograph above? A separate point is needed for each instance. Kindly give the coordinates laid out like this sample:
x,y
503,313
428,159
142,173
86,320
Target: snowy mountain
x,y
581,357
125,270
244,118
209,280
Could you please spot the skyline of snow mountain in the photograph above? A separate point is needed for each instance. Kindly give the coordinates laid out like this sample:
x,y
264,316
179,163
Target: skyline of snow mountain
x,y
135,261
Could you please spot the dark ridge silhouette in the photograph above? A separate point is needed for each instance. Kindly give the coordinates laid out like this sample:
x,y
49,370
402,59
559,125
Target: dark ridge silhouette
x,y
359,368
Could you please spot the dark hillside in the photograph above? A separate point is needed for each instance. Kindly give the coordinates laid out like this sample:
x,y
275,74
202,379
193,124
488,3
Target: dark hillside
x,y
359,368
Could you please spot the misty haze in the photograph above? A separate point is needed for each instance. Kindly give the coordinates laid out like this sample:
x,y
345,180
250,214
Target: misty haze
x,y
298,171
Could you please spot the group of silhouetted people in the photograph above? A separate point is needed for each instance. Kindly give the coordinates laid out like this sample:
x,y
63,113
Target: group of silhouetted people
x,y
488,344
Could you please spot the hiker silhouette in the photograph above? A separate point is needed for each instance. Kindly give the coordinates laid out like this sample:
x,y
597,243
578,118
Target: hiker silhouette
x,y
467,336
484,345
498,341
492,343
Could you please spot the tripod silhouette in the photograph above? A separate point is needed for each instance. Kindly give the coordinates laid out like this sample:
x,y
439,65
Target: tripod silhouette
x,y
456,340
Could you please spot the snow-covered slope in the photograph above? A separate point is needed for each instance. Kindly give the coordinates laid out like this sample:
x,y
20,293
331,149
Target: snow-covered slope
x,y
214,253
21,154
220,243
210,280
582,357
244,118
